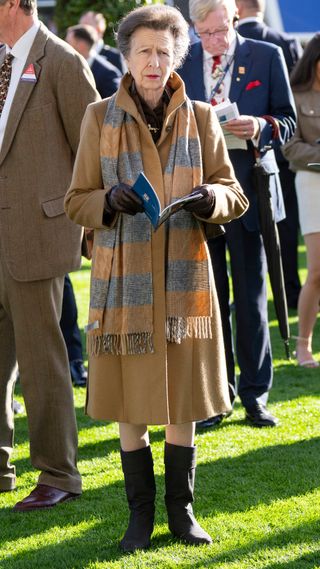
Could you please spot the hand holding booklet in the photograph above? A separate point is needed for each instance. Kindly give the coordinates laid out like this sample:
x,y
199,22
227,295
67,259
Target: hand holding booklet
x,y
227,111
151,203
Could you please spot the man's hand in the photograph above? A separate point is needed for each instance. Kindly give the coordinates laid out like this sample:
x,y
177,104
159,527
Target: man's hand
x,y
245,127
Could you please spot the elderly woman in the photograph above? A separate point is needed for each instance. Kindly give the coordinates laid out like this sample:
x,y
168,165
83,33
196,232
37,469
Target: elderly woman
x,y
155,345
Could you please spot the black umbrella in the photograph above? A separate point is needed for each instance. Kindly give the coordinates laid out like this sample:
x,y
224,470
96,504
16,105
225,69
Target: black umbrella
x,y
271,241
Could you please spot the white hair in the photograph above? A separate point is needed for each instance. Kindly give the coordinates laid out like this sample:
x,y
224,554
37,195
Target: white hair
x,y
199,9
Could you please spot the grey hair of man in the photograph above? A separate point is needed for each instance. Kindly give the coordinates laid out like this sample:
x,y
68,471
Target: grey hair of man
x,y
155,17
29,7
199,9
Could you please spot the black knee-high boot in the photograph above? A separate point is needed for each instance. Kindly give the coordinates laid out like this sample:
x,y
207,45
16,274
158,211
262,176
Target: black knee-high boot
x,y
140,487
180,465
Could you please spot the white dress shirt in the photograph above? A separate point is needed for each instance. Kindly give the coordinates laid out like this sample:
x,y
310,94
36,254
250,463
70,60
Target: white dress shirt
x,y
20,51
209,82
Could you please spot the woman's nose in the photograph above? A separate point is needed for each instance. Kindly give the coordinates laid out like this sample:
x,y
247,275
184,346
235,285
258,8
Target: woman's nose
x,y
154,59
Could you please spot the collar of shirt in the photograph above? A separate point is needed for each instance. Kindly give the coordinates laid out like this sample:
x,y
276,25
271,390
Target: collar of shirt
x,y
23,45
20,50
99,45
207,69
249,20
92,56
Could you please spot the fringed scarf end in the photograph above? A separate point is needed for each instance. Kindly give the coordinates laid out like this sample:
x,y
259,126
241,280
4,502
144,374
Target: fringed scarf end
x,y
120,344
179,328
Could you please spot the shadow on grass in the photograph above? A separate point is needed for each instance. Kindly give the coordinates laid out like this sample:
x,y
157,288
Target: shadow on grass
x,y
282,539
99,542
95,450
254,478
259,477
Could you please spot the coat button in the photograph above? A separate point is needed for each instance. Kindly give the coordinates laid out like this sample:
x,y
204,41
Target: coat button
x,y
169,128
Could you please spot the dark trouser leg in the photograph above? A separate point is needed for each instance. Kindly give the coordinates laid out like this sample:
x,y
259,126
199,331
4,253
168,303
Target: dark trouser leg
x,y
217,248
7,381
180,465
248,267
69,322
140,487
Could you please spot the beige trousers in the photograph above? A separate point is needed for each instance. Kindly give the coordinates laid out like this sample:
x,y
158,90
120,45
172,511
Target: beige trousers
x,y
30,334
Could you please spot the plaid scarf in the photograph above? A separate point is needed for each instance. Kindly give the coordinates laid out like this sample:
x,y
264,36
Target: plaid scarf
x,y
121,295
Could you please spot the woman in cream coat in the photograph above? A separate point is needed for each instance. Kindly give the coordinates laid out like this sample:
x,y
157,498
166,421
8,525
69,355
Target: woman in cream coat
x,y
156,352
301,150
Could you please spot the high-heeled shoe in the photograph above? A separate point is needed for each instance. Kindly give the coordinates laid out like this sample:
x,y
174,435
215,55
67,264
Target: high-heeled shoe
x,y
308,361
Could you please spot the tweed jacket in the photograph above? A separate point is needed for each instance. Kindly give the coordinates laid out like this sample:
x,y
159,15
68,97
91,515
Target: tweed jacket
x,y
36,160
178,382
304,146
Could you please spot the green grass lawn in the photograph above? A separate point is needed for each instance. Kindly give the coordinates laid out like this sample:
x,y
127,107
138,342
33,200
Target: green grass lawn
x,y
257,491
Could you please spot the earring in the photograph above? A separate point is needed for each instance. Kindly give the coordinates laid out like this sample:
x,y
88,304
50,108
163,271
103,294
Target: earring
x,y
129,72
171,75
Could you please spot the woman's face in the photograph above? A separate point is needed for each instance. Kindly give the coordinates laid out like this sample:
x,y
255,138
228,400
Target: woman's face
x,y
150,62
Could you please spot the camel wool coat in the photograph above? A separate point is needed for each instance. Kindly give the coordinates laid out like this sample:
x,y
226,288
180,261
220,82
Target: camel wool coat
x,y
178,382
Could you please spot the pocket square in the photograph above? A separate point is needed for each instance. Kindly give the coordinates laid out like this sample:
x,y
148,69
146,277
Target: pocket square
x,y
253,84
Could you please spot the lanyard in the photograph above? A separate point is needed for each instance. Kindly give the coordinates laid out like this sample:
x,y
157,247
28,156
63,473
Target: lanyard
x,y
225,71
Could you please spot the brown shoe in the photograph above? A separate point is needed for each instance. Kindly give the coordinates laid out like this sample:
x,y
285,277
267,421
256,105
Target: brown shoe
x,y
43,497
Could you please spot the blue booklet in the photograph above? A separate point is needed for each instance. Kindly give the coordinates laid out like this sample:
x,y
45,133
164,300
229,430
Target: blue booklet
x,y
151,203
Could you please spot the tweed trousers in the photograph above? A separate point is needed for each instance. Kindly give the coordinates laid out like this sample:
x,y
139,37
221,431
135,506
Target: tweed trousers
x,y
30,334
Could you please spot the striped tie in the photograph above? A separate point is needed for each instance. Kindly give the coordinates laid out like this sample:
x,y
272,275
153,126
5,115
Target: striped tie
x,y
5,76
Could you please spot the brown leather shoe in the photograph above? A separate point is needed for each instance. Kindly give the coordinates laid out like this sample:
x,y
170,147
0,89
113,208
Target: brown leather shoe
x,y
43,497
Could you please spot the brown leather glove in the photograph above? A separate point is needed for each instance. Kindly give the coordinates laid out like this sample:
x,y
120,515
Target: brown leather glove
x,y
121,198
203,207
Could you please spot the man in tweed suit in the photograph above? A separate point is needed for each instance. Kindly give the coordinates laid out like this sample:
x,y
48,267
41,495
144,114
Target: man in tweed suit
x,y
49,90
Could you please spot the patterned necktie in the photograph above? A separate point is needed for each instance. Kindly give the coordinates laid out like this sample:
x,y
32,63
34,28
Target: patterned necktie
x,y
216,73
5,75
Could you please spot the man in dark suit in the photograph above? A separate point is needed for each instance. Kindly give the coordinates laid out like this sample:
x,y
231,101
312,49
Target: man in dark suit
x,y
43,95
72,336
251,25
107,76
253,75
99,23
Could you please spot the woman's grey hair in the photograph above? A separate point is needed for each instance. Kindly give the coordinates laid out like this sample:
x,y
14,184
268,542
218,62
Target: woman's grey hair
x,y
199,9
155,17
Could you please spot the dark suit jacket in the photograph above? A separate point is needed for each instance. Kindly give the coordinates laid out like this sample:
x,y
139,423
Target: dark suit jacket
x,y
113,55
260,87
291,48
106,76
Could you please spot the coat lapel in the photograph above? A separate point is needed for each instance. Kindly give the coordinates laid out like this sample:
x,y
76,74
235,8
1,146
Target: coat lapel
x,y
24,91
241,69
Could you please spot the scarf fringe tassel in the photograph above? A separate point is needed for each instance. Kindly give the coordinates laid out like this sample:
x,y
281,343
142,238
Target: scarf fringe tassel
x,y
120,344
179,328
